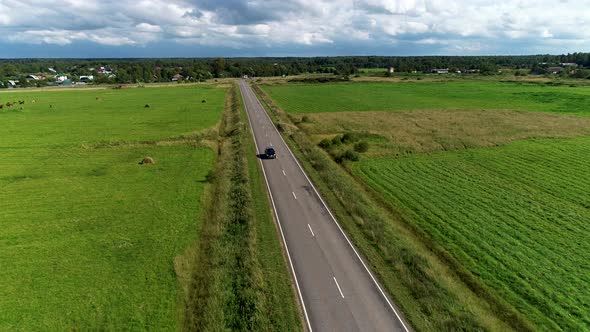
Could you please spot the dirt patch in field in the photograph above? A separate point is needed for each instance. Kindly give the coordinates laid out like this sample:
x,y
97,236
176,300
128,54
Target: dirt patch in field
x,y
428,131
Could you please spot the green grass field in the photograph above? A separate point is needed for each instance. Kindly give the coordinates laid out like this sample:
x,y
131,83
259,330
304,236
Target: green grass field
x,y
407,96
88,235
491,177
516,216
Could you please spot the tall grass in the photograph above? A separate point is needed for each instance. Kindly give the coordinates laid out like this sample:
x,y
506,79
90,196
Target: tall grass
x,y
414,270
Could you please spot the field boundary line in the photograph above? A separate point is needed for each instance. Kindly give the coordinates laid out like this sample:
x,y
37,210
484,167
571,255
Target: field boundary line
x,y
336,222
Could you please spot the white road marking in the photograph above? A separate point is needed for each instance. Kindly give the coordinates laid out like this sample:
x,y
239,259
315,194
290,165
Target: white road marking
x,y
294,194
274,208
337,224
285,174
339,289
311,230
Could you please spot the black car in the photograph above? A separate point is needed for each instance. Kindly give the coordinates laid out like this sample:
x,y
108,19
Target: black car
x,y
269,153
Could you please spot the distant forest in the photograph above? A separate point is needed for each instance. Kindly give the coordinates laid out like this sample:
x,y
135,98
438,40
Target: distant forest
x,y
199,69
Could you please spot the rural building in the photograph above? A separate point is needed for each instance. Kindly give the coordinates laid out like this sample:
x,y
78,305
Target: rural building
x,y
52,70
86,78
391,70
33,78
104,71
12,84
554,70
177,77
61,78
568,64
440,71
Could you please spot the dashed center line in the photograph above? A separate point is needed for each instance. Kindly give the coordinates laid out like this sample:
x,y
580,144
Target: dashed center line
x,y
339,289
294,194
311,230
285,174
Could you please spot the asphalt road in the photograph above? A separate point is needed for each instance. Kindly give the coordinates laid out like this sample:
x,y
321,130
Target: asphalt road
x,y
336,289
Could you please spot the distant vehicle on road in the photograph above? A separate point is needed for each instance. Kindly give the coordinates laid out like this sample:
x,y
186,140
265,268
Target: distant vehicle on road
x,y
270,153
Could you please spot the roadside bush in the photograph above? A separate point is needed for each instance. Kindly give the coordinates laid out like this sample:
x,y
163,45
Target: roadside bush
x,y
337,140
350,155
361,147
326,143
349,138
305,119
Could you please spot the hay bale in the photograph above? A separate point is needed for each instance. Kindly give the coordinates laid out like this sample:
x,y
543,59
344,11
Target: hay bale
x,y
147,161
147,106
203,101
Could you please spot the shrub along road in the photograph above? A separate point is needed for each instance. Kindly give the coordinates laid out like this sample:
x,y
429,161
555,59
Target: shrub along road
x,y
337,290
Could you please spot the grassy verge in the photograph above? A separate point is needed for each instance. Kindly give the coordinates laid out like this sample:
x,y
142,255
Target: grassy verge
x,y
240,280
433,290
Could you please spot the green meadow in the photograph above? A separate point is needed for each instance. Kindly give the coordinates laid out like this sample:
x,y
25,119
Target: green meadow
x,y
487,177
469,95
89,236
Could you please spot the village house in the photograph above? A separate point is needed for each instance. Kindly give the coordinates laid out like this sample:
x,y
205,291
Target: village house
x,y
440,71
86,78
177,77
104,71
554,70
61,78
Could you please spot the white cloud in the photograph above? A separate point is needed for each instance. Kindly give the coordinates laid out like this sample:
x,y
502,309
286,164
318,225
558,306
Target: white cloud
x,y
432,24
146,27
309,38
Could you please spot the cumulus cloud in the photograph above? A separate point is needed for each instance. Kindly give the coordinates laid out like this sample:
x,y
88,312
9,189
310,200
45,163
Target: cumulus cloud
x,y
380,26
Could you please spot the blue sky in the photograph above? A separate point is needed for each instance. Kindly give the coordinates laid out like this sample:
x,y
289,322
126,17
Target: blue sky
x,y
232,28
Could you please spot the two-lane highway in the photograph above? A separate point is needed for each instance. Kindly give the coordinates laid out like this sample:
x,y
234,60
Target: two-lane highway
x,y
337,291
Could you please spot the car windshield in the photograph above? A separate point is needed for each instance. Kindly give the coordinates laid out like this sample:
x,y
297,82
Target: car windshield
x,y
270,150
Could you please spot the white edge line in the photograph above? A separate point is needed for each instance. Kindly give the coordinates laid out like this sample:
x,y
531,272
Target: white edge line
x,y
311,230
337,224
276,214
339,289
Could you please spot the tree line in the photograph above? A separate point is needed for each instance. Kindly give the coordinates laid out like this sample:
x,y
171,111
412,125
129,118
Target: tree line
x,y
200,69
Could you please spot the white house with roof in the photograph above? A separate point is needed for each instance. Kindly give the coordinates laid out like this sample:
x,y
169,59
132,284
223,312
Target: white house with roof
x,y
86,78
61,78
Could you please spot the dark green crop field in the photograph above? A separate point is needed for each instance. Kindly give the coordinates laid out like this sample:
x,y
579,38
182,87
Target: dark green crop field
x,y
472,95
89,236
517,217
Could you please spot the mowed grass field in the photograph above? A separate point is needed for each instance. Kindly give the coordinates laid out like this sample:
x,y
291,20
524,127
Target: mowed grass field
x,y
89,236
471,95
495,173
